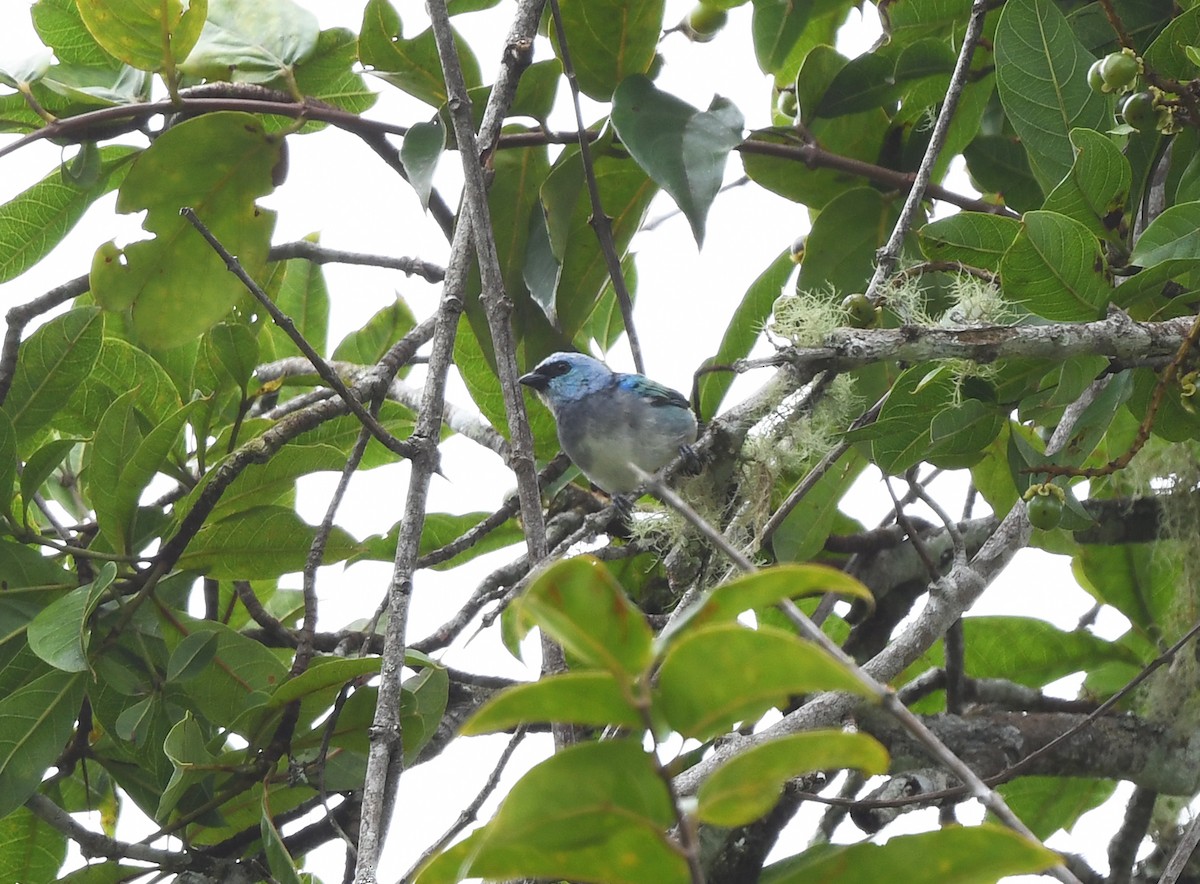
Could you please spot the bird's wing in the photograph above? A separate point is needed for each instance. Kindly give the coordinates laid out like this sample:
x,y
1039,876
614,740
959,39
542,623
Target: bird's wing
x,y
654,392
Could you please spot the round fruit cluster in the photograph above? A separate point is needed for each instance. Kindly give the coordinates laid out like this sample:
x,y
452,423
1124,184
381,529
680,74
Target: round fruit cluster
x,y
1117,73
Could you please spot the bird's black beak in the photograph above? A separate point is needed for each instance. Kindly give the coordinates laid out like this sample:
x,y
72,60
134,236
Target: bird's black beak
x,y
534,380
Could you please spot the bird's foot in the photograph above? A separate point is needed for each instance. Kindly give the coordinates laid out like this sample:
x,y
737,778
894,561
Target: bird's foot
x,y
691,464
623,504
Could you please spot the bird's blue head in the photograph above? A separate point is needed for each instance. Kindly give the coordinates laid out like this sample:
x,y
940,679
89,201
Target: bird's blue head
x,y
566,377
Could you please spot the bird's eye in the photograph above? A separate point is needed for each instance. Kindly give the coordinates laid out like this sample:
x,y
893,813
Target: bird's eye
x,y
555,369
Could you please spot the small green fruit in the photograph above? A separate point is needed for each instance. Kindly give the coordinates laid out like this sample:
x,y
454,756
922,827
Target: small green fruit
x,y
1045,511
704,21
861,311
1095,78
786,103
1119,71
1138,111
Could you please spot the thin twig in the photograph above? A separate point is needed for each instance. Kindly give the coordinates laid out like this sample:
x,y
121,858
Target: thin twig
x,y
316,555
1183,853
97,844
1123,849
21,315
889,256
319,254
457,418
385,756
260,615
328,375
471,812
814,476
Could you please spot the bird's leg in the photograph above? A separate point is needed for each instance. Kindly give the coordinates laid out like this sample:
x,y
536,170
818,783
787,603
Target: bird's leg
x,y
690,461
623,504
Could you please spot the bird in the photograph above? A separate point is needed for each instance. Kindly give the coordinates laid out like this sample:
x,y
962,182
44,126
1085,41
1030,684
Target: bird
x,y
608,422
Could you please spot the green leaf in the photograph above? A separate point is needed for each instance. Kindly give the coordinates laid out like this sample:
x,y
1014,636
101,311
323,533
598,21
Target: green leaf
x,y
858,136
259,543
1055,269
684,150
420,152
803,533
1171,240
1041,75
330,672
411,65
342,433
117,436
53,361
274,482
587,698
965,855
192,656
155,395
1139,584
1048,804
840,250
217,164
36,720
124,463
8,462
961,432
743,330
243,673
41,464
102,87
484,387
1097,188
881,78
304,297
609,41
1167,55
579,604
1028,651
367,344
145,34
610,825
1094,422
747,786
513,200
185,746
764,588
279,861
18,73
252,41
625,193
1167,249
999,165
422,706
59,633
34,850
784,32
977,239
61,28
900,436
329,74
771,665
606,324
